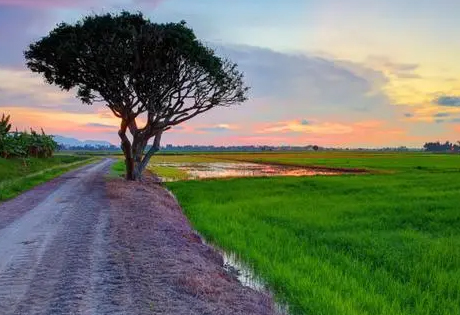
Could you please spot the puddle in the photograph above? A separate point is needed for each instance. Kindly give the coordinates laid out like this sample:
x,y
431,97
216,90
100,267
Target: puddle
x,y
235,267
223,170
247,278
243,273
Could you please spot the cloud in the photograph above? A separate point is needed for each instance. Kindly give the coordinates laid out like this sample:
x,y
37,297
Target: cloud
x,y
34,2
398,70
451,121
24,21
23,88
325,128
315,80
216,128
447,100
442,114
73,3
98,125
42,3
151,3
19,27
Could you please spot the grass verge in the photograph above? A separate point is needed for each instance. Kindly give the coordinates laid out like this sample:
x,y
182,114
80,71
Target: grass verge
x,y
171,173
19,175
118,169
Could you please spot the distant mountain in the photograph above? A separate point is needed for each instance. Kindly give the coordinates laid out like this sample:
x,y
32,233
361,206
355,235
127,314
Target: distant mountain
x,y
72,142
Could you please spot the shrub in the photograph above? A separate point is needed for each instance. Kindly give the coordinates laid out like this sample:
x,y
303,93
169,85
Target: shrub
x,y
24,144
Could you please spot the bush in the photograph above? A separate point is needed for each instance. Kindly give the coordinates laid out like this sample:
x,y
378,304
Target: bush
x,y
24,144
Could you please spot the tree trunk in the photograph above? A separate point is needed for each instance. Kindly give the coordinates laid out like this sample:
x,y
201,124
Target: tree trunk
x,y
129,162
127,151
135,160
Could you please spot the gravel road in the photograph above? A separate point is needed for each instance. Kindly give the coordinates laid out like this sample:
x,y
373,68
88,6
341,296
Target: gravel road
x,y
75,246
53,246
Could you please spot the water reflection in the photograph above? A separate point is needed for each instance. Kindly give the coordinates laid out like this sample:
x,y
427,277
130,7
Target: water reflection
x,y
220,169
236,268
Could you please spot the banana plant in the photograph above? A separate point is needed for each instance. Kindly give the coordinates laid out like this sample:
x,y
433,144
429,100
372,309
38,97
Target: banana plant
x,y
23,144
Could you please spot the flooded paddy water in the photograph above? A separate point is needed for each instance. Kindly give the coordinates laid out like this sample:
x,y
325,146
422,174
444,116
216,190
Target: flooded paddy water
x,y
207,170
241,271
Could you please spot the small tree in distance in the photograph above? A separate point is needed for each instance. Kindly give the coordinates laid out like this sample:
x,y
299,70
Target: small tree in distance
x,y
137,67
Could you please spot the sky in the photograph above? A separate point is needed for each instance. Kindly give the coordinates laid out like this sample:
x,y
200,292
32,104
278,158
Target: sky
x,y
355,73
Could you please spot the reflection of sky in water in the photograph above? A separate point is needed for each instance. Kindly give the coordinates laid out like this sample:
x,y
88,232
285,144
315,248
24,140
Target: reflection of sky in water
x,y
243,272
219,170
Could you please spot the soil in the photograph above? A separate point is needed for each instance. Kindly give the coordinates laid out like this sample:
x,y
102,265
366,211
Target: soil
x,y
83,244
172,271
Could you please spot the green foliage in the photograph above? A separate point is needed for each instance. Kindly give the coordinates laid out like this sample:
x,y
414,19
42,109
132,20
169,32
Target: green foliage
x,y
118,169
136,66
382,243
24,144
5,126
132,63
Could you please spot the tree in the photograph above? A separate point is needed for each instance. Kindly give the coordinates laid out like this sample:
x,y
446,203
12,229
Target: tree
x,y
158,73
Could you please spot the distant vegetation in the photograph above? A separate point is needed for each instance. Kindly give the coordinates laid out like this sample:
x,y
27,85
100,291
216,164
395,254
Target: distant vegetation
x,y
442,147
24,144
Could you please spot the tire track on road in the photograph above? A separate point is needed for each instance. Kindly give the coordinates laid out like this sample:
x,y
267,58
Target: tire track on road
x,y
54,259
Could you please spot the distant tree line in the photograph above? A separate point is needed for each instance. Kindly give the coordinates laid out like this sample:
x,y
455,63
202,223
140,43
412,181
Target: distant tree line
x,y
24,144
242,148
88,147
442,147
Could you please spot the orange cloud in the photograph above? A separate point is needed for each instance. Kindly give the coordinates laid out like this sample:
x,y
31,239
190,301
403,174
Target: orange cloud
x,y
88,125
323,128
370,132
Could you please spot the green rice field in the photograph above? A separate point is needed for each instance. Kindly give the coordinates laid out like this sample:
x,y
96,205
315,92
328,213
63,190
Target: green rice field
x,y
386,242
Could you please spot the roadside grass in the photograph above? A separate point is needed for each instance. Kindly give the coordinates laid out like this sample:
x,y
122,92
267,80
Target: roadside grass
x,y
19,175
352,244
118,169
170,173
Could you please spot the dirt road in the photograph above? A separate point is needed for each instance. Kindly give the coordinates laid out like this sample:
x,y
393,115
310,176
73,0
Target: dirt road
x,y
75,246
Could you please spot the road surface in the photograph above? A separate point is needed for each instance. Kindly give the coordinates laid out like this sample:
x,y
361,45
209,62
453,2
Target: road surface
x,y
82,244
53,248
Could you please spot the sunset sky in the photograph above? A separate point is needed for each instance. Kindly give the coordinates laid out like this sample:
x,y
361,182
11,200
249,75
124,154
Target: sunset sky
x,y
328,72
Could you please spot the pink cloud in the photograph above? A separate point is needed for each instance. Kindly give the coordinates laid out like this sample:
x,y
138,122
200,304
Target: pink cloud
x,y
153,3
44,3
69,3
327,133
311,127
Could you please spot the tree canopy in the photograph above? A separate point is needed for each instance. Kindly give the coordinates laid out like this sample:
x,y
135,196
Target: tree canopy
x,y
137,67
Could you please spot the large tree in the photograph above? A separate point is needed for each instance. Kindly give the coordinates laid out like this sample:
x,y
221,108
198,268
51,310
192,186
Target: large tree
x,y
160,74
